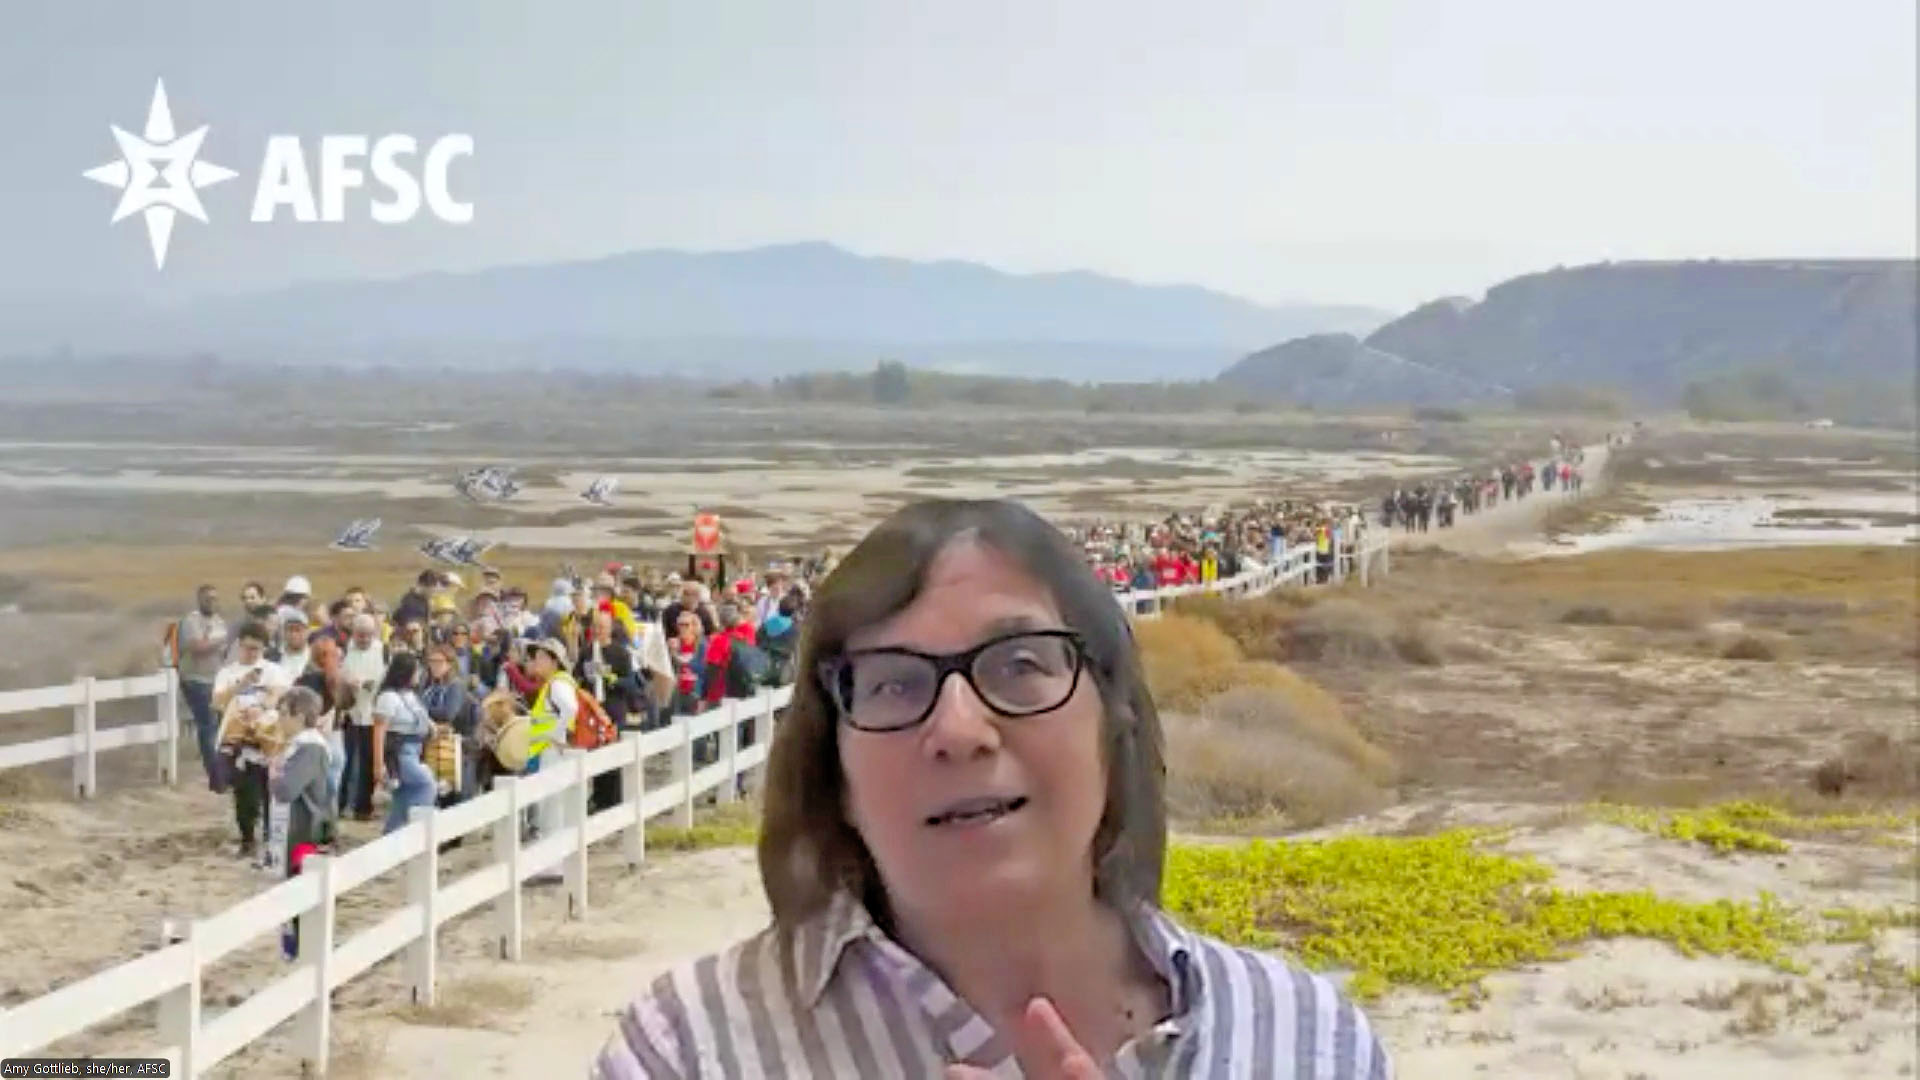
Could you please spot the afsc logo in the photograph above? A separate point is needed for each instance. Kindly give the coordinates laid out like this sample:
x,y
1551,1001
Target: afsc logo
x,y
160,175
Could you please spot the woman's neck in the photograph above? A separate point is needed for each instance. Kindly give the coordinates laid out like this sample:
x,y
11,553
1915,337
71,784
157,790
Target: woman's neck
x,y
1079,954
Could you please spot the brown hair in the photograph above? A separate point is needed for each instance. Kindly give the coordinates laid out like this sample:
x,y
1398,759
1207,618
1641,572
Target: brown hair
x,y
808,851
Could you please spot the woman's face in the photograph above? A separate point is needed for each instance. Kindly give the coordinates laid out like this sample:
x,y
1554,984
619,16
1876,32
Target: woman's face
x,y
438,667
900,784
689,627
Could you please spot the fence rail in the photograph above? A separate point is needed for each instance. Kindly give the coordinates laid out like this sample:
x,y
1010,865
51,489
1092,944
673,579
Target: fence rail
x,y
195,1041
1299,566
88,740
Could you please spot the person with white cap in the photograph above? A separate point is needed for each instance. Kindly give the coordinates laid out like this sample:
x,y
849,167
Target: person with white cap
x,y
295,595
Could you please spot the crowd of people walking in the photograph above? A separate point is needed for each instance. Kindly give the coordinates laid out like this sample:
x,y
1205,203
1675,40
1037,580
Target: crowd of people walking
x,y
308,709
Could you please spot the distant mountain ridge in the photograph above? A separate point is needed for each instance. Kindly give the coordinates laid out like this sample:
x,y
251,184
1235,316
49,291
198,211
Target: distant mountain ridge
x,y
1647,329
777,309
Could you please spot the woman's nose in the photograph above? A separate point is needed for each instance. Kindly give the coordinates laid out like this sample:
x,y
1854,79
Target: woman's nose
x,y
961,725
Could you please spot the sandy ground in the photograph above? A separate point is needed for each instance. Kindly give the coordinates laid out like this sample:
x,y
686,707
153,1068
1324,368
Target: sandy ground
x,y
1620,1009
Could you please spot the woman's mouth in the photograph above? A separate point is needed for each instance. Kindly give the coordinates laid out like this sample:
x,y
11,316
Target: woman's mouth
x,y
968,813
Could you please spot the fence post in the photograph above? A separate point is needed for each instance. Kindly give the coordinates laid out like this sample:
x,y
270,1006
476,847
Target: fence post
x,y
756,777
170,730
578,794
84,775
506,850
313,1029
683,772
423,885
729,752
179,1008
635,788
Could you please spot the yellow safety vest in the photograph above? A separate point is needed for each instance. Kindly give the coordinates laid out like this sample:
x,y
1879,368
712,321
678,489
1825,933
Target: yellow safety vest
x,y
542,720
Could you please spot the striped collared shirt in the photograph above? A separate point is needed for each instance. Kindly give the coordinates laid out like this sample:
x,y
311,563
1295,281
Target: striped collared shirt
x,y
854,1003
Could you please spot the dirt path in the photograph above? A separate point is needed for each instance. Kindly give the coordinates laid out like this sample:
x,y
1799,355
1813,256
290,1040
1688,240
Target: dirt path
x,y
1491,531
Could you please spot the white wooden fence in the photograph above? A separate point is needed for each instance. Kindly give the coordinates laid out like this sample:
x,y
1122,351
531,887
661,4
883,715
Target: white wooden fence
x,y
1298,566
195,1039
85,745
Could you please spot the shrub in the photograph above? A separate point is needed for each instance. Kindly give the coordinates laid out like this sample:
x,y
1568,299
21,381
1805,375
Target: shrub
x,y
1217,772
1588,615
1414,643
1259,627
1187,659
1750,647
1299,703
1248,738
1872,764
1343,632
1284,749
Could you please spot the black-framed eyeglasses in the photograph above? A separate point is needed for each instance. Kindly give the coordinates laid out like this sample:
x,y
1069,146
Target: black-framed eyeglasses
x,y
1015,675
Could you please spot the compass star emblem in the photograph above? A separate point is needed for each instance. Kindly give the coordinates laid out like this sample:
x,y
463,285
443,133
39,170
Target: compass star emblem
x,y
158,175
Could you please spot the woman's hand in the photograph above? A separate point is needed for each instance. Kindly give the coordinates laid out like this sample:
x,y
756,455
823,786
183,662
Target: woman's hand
x,y
1046,1048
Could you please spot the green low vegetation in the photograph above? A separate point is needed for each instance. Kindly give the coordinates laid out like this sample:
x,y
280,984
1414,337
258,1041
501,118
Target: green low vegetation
x,y
1442,912
1745,825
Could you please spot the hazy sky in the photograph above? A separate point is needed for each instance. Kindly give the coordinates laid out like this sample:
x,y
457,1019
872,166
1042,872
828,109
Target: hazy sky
x,y
1354,151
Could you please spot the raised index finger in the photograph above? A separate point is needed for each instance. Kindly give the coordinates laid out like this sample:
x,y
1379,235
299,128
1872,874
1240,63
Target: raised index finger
x,y
1060,1050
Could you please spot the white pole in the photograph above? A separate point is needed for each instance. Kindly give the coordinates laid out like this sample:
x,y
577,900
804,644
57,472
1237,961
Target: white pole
x,y
84,776
579,791
313,1030
506,849
179,1008
423,886
635,789
729,750
170,730
683,772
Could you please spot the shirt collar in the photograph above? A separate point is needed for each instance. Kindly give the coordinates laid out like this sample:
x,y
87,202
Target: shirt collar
x,y
823,940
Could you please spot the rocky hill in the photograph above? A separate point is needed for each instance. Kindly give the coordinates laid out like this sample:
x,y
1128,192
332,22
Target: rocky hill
x,y
1649,330
1339,371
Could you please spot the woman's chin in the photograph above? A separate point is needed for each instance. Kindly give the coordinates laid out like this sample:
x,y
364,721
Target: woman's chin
x,y
969,890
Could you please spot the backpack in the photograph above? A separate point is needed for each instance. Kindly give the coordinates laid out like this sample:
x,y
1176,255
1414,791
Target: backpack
x,y
748,668
592,727
170,645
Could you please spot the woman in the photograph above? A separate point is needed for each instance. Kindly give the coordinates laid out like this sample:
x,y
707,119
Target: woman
x,y
302,782
450,706
966,872
400,727
302,776
687,651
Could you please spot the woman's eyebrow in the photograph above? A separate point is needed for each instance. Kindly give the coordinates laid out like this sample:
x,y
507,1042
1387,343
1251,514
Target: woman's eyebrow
x,y
1016,624
1000,627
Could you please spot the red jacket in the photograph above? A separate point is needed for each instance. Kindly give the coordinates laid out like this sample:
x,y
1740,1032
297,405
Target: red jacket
x,y
719,653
